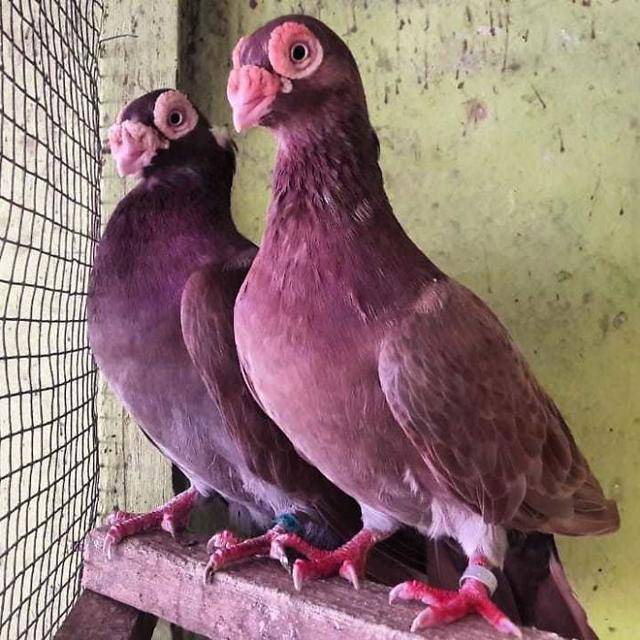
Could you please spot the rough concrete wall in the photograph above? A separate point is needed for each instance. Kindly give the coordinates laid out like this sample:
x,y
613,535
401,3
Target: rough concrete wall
x,y
509,136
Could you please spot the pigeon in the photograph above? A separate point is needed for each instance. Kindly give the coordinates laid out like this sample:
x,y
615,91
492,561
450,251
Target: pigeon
x,y
397,382
160,317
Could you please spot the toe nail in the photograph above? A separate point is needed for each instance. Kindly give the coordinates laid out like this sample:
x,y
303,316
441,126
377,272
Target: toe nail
x,y
209,572
297,576
349,573
423,619
107,547
277,552
396,593
507,627
168,525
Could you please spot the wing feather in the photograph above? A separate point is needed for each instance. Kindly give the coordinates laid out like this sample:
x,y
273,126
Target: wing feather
x,y
465,397
207,326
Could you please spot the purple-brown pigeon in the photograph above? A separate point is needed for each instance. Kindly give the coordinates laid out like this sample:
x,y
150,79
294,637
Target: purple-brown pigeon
x,y
393,379
160,314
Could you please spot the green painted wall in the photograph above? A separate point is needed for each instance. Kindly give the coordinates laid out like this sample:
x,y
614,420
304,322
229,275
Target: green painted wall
x,y
510,144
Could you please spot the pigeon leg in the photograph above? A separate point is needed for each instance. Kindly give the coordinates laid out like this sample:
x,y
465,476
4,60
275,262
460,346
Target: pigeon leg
x,y
473,597
226,548
171,516
347,561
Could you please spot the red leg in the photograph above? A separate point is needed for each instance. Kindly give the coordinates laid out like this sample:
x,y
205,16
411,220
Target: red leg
x,y
171,516
348,561
226,548
222,540
449,606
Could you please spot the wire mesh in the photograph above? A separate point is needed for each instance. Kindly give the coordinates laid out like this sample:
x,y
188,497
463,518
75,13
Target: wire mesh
x,y
49,224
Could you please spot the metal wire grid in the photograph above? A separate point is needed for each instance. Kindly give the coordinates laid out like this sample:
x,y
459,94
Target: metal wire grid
x,y
49,224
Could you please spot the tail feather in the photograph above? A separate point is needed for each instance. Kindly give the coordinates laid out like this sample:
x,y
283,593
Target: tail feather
x,y
562,585
589,518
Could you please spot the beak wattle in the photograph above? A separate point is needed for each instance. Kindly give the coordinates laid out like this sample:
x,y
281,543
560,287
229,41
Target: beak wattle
x,y
133,145
250,92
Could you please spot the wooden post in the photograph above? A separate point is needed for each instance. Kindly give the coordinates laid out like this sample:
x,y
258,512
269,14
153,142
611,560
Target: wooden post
x,y
138,53
160,575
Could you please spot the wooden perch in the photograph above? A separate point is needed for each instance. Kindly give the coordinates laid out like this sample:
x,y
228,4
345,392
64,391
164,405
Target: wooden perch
x,y
159,575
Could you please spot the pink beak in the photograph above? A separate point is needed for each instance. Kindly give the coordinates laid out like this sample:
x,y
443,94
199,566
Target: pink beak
x,y
133,145
250,91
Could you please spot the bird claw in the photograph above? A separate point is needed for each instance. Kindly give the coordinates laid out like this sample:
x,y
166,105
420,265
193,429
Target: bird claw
x,y
349,572
448,606
168,517
422,620
110,540
226,548
222,540
347,561
398,593
297,575
304,570
210,569
415,590
278,552
168,524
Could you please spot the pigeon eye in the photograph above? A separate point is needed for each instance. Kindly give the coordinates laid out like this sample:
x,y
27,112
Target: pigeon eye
x,y
176,118
299,52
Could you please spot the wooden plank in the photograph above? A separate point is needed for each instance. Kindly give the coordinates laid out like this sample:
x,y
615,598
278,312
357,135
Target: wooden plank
x,y
100,618
256,600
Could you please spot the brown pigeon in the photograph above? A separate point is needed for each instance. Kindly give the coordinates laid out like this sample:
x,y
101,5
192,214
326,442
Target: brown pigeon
x,y
392,378
160,313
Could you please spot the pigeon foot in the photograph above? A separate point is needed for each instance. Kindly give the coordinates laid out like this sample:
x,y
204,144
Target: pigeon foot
x,y
347,561
171,516
448,606
226,548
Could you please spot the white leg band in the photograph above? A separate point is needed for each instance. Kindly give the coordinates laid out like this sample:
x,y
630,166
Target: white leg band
x,y
481,574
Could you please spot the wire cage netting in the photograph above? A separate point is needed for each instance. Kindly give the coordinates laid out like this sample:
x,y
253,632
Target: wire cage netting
x,y
49,224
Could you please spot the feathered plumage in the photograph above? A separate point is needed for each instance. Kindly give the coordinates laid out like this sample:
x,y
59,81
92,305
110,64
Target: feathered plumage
x,y
396,381
160,313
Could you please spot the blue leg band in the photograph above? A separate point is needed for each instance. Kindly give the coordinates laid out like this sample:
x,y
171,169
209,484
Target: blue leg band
x,y
289,523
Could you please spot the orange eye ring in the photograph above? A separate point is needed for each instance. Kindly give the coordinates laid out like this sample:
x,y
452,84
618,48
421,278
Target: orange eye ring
x,y
294,52
173,115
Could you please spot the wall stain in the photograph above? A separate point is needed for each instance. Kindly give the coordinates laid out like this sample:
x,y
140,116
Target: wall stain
x,y
476,111
619,319
562,147
540,100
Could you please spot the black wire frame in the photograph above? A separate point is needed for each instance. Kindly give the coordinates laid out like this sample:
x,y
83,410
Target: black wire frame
x,y
49,226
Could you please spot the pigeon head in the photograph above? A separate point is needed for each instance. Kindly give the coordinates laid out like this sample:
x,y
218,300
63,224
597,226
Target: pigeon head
x,y
159,129
292,73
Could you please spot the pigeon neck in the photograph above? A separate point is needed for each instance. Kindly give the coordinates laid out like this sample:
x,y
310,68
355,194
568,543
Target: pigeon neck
x,y
329,214
330,172
204,178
